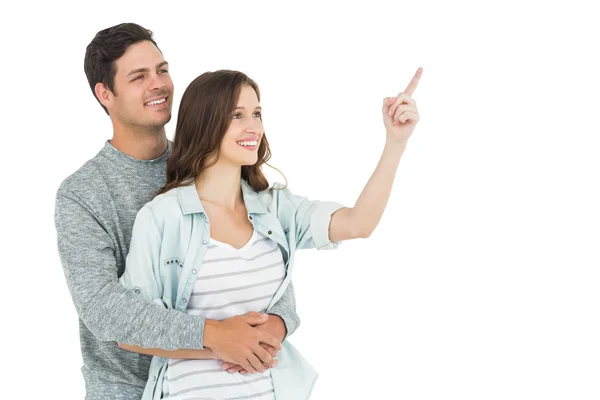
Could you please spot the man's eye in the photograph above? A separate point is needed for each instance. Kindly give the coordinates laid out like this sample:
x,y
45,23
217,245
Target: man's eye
x,y
163,71
137,78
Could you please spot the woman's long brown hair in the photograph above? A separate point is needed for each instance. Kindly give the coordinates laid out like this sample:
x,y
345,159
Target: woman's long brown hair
x,y
205,112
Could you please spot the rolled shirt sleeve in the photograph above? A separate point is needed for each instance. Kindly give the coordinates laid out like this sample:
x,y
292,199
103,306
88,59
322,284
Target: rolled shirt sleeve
x,y
312,218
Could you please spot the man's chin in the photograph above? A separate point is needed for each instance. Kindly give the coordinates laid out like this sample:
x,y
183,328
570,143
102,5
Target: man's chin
x,y
159,123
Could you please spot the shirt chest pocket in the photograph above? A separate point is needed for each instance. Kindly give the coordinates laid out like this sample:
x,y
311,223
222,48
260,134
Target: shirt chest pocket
x,y
172,270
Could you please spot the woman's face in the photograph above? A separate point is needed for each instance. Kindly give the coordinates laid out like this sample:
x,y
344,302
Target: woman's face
x,y
241,141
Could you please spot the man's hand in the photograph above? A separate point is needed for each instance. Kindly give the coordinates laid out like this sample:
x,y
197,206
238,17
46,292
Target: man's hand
x,y
276,327
238,341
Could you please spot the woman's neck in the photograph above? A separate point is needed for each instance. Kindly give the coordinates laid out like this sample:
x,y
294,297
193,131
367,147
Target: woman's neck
x,y
220,185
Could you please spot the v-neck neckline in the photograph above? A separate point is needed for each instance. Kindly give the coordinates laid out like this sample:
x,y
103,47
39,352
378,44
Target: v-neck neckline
x,y
230,247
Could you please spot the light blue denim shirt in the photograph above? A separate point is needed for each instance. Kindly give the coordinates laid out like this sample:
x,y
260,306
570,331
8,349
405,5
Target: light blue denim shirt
x,y
170,238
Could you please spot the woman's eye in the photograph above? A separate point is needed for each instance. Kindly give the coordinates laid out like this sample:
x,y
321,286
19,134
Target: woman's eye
x,y
258,114
237,116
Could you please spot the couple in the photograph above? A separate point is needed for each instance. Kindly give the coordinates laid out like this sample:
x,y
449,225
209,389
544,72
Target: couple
x,y
180,250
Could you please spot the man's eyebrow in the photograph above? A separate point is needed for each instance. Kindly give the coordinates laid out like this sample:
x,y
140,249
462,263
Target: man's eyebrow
x,y
138,70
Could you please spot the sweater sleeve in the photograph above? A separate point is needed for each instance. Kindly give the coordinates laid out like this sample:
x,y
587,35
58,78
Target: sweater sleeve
x,y
109,310
286,309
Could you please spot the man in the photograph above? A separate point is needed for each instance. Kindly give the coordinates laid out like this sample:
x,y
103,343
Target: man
x,y
95,210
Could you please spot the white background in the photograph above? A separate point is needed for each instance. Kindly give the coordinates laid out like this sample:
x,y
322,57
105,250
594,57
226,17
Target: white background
x,y
482,280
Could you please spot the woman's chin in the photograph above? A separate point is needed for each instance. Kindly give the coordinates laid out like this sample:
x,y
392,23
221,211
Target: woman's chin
x,y
248,162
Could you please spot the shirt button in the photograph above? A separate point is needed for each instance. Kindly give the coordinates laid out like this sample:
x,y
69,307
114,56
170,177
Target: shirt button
x,y
154,378
269,232
137,290
250,216
204,242
194,271
184,301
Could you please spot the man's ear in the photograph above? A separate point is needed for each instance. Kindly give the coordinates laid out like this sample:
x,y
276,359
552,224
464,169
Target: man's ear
x,y
104,95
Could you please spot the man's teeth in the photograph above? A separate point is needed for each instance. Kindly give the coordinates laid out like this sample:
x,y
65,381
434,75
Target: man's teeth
x,y
155,102
248,143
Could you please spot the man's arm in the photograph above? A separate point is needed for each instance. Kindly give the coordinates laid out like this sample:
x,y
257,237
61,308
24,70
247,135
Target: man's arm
x,y
110,311
187,354
252,318
285,309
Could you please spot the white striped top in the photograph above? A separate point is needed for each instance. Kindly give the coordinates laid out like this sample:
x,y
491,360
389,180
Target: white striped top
x,y
230,282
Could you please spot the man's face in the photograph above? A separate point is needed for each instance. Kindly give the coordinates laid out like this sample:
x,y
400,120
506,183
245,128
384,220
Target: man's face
x,y
143,87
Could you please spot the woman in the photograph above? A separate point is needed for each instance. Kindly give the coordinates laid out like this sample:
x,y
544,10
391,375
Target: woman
x,y
217,242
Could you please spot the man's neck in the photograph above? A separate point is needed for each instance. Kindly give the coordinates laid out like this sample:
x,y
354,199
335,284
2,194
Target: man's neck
x,y
142,145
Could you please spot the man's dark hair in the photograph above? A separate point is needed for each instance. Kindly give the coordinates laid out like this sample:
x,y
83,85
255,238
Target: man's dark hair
x,y
106,48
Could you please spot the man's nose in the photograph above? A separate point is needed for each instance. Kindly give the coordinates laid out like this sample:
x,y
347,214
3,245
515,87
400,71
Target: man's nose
x,y
157,83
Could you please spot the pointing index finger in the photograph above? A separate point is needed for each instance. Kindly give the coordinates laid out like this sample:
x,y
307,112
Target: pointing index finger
x,y
414,82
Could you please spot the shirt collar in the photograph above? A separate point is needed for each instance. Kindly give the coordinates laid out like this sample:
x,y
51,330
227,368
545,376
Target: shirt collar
x,y
190,201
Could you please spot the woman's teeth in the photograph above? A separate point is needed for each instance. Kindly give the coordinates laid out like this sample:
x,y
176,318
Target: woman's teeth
x,y
248,143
